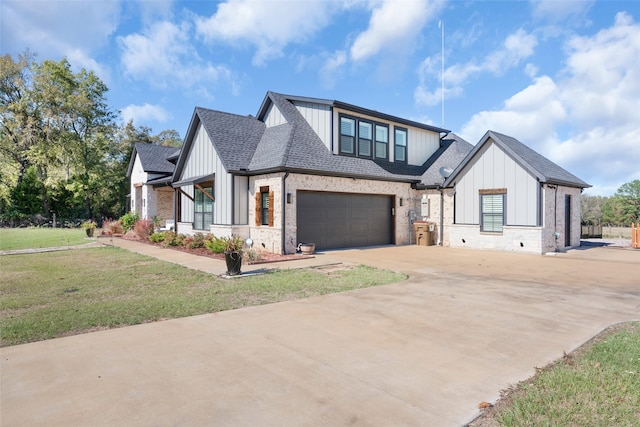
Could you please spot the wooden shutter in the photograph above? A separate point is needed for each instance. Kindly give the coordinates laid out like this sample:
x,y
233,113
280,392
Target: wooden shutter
x,y
271,197
257,209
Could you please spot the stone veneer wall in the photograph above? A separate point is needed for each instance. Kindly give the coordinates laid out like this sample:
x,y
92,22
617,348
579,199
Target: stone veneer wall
x,y
512,238
433,196
163,204
554,220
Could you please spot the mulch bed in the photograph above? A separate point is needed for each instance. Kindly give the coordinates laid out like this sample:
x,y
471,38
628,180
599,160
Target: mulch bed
x,y
265,257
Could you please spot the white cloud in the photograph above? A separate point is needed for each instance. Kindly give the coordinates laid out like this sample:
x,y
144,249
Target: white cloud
x,y
557,11
143,113
534,112
164,55
53,29
268,26
516,47
393,25
331,68
598,94
79,60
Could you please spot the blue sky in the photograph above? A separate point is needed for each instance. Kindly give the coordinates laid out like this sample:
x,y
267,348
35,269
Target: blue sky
x,y
561,76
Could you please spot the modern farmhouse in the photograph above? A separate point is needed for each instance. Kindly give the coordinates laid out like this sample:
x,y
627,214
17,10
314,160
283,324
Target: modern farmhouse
x,y
342,176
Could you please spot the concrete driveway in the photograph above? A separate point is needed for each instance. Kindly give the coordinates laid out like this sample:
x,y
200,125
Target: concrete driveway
x,y
423,352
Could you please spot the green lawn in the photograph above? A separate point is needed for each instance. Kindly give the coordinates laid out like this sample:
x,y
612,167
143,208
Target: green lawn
x,y
25,238
55,294
598,386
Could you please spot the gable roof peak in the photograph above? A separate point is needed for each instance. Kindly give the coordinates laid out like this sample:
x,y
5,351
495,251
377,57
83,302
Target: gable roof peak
x,y
535,163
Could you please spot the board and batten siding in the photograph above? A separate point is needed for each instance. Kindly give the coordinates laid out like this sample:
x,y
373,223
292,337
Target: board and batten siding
x,y
203,160
240,200
274,117
319,118
421,143
495,169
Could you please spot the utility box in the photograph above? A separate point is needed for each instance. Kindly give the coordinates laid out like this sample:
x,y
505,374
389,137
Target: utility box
x,y
423,235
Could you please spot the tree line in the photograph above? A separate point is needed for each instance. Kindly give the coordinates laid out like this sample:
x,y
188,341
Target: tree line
x,y
63,149
621,209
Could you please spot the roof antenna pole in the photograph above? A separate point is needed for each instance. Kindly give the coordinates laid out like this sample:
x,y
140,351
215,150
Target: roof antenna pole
x,y
441,25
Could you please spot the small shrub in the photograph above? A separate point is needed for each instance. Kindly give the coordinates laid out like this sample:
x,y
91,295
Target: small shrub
x,y
128,220
252,255
173,239
112,227
143,228
157,237
196,241
215,245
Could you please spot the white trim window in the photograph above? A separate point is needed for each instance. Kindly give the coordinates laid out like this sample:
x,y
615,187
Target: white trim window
x,y
492,212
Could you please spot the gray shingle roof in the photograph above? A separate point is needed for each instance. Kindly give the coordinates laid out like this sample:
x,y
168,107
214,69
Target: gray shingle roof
x,y
153,158
304,151
246,145
234,137
453,150
539,166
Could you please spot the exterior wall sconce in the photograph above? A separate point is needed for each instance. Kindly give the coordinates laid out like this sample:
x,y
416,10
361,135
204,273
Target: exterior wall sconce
x,y
289,198
401,201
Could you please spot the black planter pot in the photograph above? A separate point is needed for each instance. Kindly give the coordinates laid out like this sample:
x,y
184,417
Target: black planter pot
x,y
89,232
234,262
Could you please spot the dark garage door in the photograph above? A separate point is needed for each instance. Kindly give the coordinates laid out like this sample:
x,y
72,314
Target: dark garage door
x,y
344,220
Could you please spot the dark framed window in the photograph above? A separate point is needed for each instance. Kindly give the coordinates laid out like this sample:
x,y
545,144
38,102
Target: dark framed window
x,y
382,142
492,214
347,135
203,206
365,138
400,143
264,207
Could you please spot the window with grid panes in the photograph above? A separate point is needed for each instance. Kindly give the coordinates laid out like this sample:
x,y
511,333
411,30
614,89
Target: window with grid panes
x,y
492,215
400,140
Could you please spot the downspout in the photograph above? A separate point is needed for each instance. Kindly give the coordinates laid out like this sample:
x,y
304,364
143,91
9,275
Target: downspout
x,y
284,216
441,215
176,200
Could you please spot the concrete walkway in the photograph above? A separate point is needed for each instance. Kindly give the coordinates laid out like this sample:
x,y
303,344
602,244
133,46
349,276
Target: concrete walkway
x,y
207,264
423,352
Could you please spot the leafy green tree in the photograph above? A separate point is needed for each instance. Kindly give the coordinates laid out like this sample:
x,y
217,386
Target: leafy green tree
x,y
629,197
81,123
27,194
168,138
591,209
20,121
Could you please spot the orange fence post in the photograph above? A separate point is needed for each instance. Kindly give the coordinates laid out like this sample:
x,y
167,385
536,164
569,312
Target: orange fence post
x,y
635,236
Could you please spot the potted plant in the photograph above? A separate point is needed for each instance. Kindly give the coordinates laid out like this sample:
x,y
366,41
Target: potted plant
x,y
89,227
307,248
233,254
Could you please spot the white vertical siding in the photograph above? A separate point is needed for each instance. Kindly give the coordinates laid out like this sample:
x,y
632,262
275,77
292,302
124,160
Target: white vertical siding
x,y
203,160
421,145
186,204
241,200
493,168
319,118
274,117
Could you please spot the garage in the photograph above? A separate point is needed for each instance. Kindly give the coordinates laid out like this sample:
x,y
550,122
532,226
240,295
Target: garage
x,y
344,220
